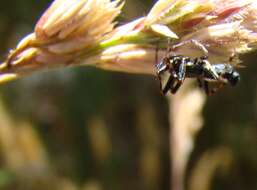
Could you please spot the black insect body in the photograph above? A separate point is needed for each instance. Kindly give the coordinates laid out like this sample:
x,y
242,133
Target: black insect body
x,y
227,72
173,70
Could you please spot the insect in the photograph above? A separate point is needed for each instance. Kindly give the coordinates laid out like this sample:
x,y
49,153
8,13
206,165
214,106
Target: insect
x,y
173,69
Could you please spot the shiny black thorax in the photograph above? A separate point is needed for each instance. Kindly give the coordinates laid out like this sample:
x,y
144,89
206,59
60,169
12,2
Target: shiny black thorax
x,y
180,67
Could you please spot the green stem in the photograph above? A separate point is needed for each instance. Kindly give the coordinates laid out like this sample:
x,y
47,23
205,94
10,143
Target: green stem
x,y
138,38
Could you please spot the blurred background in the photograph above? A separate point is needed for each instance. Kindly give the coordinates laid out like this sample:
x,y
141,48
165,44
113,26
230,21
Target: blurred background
x,y
89,129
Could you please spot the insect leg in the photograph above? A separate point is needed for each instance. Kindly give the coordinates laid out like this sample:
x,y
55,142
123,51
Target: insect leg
x,y
175,88
200,83
162,67
214,90
156,53
181,73
206,88
204,85
209,69
194,42
169,85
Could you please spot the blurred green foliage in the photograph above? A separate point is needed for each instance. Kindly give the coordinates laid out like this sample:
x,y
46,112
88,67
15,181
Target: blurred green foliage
x,y
61,147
